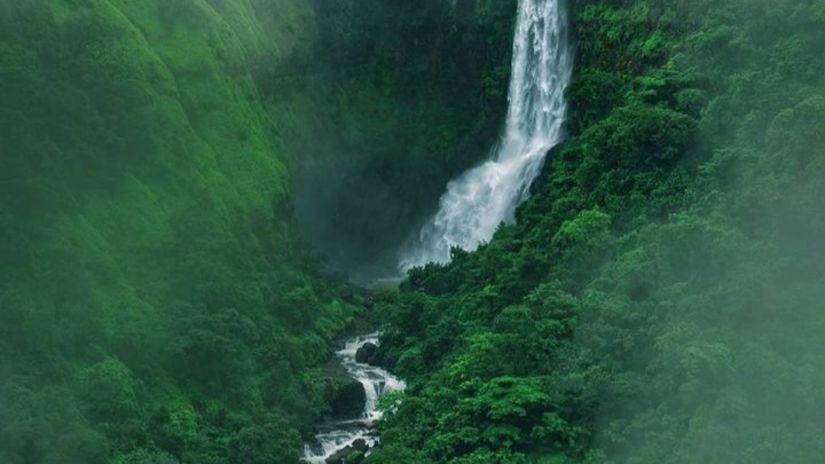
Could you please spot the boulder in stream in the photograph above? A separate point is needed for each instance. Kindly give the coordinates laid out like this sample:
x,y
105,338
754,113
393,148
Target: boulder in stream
x,y
348,399
353,454
367,353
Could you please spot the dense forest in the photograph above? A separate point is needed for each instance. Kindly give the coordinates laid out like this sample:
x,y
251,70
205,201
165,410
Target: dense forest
x,y
158,300
193,191
660,298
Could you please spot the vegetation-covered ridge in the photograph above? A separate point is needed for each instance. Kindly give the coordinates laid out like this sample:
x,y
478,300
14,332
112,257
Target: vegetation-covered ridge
x,y
660,298
153,305
156,302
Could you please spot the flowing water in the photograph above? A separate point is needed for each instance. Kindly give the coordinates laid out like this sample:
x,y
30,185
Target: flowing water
x,y
482,198
340,435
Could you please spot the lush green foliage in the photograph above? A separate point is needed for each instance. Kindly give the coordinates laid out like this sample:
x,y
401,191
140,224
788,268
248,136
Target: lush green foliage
x,y
153,305
660,299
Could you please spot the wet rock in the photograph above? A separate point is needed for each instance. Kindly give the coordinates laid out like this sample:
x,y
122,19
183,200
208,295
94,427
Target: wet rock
x,y
348,400
367,353
353,454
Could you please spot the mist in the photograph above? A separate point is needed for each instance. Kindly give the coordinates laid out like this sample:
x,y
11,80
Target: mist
x,y
371,147
724,303
187,186
661,297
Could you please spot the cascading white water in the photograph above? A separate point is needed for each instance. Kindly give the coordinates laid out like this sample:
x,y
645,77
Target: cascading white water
x,y
482,198
376,382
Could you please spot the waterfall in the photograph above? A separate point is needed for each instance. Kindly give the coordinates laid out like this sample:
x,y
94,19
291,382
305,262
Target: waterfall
x,y
480,199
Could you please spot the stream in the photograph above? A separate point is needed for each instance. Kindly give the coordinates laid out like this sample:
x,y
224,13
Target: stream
x,y
478,201
338,436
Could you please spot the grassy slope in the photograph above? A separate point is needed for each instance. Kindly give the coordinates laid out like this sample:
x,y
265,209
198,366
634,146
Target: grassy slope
x,y
151,304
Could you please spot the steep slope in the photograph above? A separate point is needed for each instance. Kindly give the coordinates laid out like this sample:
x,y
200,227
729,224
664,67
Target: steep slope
x,y
660,299
153,304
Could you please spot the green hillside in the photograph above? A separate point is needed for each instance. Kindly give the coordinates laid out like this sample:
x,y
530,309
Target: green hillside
x,y
186,186
154,306
660,299
164,167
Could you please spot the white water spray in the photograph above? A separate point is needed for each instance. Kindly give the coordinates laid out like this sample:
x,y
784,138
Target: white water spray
x,y
482,198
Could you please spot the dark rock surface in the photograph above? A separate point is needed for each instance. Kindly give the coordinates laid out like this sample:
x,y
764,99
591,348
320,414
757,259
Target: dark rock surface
x,y
348,400
367,353
353,454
